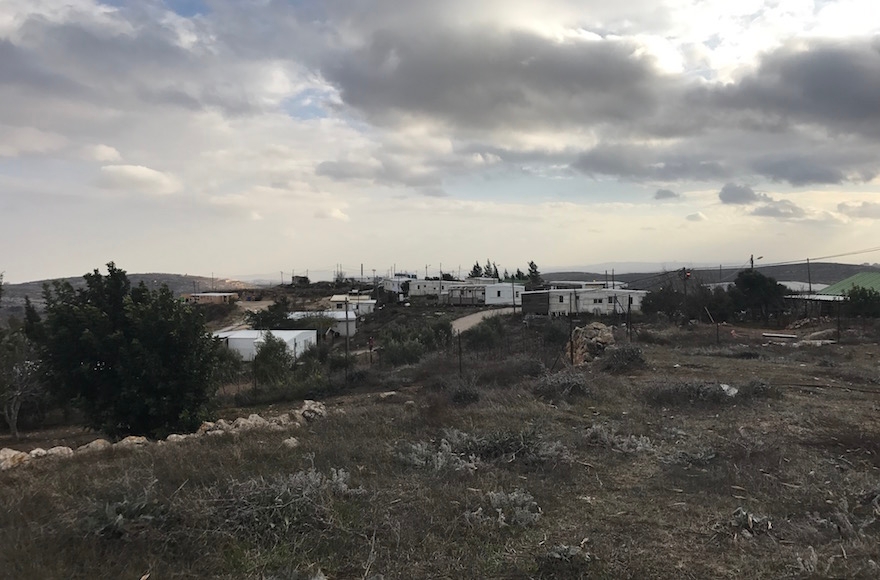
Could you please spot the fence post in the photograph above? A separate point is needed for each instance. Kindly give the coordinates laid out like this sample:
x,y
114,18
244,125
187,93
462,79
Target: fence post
x,y
460,366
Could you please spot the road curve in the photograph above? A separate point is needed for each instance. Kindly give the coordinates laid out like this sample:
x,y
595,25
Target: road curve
x,y
471,320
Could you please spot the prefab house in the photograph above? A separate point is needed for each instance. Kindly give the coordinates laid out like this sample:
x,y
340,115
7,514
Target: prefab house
x,y
360,304
247,342
504,294
344,323
467,295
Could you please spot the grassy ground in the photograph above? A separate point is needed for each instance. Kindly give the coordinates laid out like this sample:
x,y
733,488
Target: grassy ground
x,y
505,472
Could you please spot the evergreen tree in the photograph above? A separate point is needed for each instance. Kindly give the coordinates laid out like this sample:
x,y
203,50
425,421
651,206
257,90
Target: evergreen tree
x,y
134,360
534,275
476,271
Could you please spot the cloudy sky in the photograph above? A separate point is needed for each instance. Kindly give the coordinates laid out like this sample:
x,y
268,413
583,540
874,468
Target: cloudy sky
x,y
199,136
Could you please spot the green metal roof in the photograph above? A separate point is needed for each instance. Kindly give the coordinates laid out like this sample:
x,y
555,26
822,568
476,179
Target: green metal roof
x,y
862,279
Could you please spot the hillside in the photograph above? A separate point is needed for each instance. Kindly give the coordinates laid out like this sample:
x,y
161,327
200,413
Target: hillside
x,y
13,301
820,273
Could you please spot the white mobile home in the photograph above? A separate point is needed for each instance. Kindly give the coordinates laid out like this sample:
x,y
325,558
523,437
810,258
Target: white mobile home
x,y
246,342
358,303
431,287
341,326
504,294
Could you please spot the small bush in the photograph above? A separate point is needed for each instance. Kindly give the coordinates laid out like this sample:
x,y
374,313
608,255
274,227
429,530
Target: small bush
x,y
517,508
693,393
562,386
438,458
564,561
509,371
623,358
487,335
602,436
266,510
399,353
651,337
465,395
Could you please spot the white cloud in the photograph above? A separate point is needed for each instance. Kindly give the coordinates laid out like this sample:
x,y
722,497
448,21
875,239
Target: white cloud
x,y
696,217
332,213
18,141
125,178
104,153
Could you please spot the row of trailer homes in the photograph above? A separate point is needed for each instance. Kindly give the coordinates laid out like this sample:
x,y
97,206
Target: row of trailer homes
x,y
558,298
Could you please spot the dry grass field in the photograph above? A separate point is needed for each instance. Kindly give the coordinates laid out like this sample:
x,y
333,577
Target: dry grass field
x,y
735,460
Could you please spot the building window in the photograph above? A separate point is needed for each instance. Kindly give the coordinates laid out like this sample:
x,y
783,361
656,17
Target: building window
x,y
561,299
499,293
597,301
630,300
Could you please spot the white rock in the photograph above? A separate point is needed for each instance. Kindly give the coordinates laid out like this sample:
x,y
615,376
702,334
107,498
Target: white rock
x,y
242,424
217,433
312,410
282,420
205,427
410,406
176,438
59,451
257,421
37,453
291,442
223,425
387,395
96,445
133,441
10,458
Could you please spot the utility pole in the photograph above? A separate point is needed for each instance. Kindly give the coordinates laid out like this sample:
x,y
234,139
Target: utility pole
x,y
809,278
685,276
347,333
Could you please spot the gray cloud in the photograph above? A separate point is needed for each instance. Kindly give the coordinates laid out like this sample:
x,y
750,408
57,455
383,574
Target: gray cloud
x,y
661,194
733,194
865,209
781,208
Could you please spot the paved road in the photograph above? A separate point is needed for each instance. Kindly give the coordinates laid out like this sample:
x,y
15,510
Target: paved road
x,y
471,320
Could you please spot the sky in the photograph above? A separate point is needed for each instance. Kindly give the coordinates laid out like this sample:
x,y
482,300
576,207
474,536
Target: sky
x,y
233,137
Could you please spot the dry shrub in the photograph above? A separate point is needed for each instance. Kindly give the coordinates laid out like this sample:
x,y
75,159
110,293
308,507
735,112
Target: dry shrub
x,y
563,386
603,436
696,393
624,358
500,508
565,561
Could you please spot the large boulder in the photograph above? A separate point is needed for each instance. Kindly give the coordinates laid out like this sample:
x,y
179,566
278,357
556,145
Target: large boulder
x,y
312,410
37,453
588,342
257,421
96,445
133,441
59,451
10,458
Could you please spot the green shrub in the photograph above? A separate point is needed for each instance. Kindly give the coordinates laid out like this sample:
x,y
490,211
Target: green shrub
x,y
694,393
397,353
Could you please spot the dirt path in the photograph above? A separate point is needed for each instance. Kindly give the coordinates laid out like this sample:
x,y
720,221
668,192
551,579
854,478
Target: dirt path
x,y
471,320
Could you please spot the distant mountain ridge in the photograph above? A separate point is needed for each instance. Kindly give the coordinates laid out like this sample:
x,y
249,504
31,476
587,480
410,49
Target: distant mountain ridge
x,y
819,272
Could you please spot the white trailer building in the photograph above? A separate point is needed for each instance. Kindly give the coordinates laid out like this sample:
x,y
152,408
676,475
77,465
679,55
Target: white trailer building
x,y
504,294
246,342
344,323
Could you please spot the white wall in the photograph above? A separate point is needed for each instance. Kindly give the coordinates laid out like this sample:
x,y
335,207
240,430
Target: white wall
x,y
504,294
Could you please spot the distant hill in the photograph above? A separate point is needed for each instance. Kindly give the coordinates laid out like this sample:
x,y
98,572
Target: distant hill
x,y
12,303
820,273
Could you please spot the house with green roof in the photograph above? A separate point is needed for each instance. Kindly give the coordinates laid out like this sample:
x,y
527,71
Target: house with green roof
x,y
870,280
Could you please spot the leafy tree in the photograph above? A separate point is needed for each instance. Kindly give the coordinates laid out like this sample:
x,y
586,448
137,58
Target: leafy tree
x,y
666,300
273,362
135,361
520,275
447,277
21,376
476,271
534,275
757,294
506,274
272,317
863,302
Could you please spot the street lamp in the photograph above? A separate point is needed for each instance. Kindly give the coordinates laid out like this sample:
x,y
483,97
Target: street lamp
x,y
752,261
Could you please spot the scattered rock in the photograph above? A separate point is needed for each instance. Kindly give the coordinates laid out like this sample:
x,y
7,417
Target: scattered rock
x,y
216,433
389,396
206,426
133,441
176,437
257,422
10,458
96,445
37,453
410,406
291,442
312,410
242,424
282,420
59,451
829,334
223,425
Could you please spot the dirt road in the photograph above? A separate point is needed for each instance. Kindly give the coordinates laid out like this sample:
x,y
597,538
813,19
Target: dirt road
x,y
471,320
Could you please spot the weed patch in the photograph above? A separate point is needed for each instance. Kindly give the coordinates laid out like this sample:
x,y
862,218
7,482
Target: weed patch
x,y
697,393
622,359
500,509
563,386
